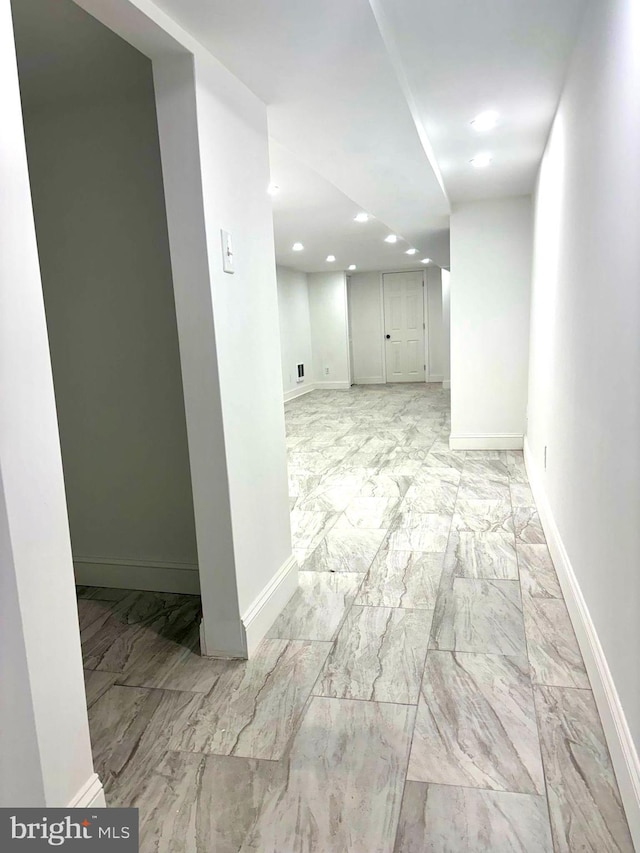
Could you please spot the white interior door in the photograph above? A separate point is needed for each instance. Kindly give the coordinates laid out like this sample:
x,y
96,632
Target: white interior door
x,y
404,326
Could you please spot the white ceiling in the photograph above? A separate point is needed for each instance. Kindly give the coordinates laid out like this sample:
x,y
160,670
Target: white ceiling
x,y
369,104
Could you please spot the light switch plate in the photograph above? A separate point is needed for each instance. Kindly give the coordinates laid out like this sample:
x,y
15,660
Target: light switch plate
x,y
227,252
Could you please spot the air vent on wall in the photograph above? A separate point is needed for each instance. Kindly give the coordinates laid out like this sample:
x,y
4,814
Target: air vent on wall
x,y
300,373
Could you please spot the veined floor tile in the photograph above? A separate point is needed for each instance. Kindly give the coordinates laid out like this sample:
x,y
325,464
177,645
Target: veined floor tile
x,y
447,819
433,490
521,495
483,515
444,459
124,634
254,707
387,485
328,497
527,526
537,573
486,469
193,803
475,487
368,513
130,730
170,666
553,648
344,786
419,531
476,724
378,655
479,616
584,801
345,550
96,684
402,579
308,528
317,608
482,555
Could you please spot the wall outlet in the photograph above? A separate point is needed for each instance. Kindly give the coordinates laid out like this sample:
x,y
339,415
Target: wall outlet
x,y
326,371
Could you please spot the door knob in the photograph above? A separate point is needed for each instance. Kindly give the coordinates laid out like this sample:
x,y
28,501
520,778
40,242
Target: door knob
x,y
388,337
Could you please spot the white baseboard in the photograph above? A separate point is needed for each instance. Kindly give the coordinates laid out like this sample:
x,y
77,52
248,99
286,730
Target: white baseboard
x,y
370,380
624,755
333,386
495,441
303,388
434,377
91,795
261,615
446,384
137,574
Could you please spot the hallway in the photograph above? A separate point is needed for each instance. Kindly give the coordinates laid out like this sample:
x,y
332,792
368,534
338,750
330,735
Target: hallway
x,y
423,690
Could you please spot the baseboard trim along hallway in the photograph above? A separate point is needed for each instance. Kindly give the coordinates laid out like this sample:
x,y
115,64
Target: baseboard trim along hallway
x,y
269,604
298,392
487,441
91,795
137,574
624,756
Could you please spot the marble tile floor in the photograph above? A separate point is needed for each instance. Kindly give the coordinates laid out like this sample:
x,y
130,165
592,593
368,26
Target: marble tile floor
x,y
422,691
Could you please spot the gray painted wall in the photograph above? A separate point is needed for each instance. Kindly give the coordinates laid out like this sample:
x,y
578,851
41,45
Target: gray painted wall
x,y
94,164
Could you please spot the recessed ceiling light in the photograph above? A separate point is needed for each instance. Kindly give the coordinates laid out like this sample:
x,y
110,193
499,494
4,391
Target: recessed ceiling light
x,y
480,161
485,121
361,217
391,239
297,247
425,261
331,258
411,252
352,266
273,189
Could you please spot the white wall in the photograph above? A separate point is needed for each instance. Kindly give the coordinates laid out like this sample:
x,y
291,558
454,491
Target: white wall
x,y
329,329
490,309
367,327
584,388
44,735
96,182
295,330
434,343
446,329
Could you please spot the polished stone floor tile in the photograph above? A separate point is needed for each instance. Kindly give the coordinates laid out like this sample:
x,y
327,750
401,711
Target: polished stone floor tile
x,y
255,705
407,579
527,526
124,633
444,459
368,513
309,527
482,555
419,531
345,550
130,730
584,801
434,490
486,468
447,819
475,487
318,606
170,666
553,648
537,573
476,724
96,684
387,485
483,516
344,785
521,495
378,655
194,803
479,616
328,497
